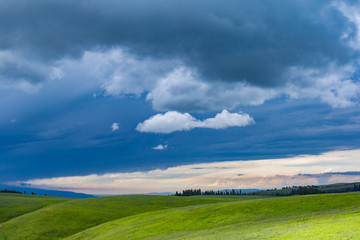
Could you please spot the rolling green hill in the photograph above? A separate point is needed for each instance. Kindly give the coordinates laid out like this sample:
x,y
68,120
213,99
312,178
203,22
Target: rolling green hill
x,y
321,216
65,219
13,205
325,216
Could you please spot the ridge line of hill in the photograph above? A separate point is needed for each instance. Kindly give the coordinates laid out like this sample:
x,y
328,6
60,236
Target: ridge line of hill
x,y
14,205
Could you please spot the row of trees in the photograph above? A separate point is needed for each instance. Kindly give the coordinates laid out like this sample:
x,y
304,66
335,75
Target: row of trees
x,y
10,191
305,190
285,191
14,191
193,192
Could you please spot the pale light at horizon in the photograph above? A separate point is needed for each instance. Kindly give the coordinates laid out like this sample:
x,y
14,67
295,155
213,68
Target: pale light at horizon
x,y
270,173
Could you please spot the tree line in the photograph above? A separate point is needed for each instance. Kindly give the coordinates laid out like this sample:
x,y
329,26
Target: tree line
x,y
17,192
194,192
10,191
285,191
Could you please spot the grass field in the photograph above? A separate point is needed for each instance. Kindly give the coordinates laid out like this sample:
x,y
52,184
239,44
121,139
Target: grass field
x,y
13,205
62,220
321,216
327,216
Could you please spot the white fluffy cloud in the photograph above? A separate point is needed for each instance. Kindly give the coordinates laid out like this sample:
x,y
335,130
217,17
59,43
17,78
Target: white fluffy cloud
x,y
160,147
115,126
174,121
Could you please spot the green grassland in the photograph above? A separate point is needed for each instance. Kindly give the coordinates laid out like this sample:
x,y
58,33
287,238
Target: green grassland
x,y
320,216
13,205
61,220
326,216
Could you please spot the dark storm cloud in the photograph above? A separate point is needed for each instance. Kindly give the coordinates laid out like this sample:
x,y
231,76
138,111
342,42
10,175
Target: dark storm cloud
x,y
253,41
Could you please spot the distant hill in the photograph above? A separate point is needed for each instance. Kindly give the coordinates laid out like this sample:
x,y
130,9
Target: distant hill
x,y
55,193
310,189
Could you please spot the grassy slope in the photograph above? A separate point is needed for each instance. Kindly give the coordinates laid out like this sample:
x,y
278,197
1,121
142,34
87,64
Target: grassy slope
x,y
62,220
13,205
325,216
337,225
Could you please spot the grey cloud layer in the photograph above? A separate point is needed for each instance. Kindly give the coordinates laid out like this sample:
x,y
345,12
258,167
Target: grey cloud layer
x,y
251,41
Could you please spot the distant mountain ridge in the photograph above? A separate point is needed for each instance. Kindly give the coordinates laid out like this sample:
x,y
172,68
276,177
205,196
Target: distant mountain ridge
x,y
55,193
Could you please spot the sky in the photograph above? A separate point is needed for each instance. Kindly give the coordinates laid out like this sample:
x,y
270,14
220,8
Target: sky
x,y
118,97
